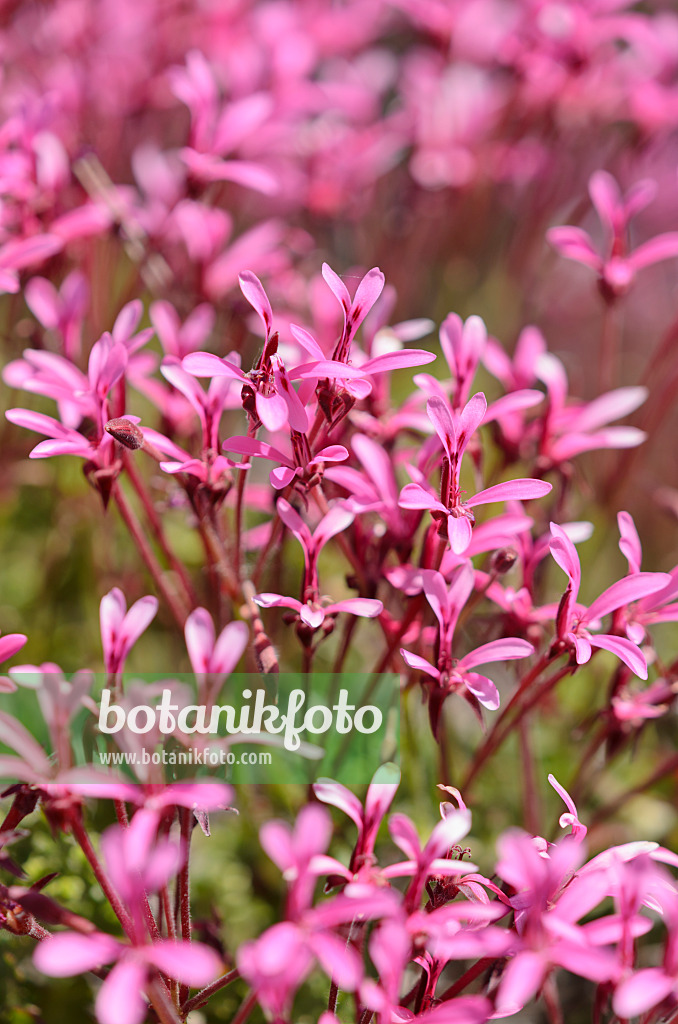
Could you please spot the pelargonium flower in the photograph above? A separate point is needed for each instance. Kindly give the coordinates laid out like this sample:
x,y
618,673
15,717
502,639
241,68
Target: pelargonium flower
x,y
120,628
573,621
454,675
450,511
313,610
616,264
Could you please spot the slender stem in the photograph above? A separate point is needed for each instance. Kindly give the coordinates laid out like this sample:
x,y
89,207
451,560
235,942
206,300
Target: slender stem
x,y
176,606
154,519
245,1009
167,911
162,1003
238,517
668,766
470,975
184,892
201,998
608,362
529,788
501,728
111,895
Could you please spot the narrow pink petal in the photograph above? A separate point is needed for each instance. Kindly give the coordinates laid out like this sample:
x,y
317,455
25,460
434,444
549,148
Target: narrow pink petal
x,y
272,411
521,981
397,360
120,999
367,293
608,407
333,453
337,286
206,364
307,342
405,836
512,490
229,647
192,963
377,465
10,644
137,620
277,601
365,606
526,398
623,592
662,247
624,650
414,496
420,664
582,648
565,555
296,413
330,792
338,519
281,477
471,417
253,290
313,617
339,960
199,636
64,955
574,244
629,541
606,198
437,595
459,532
497,650
250,446
326,368
440,416
483,689
641,992
17,737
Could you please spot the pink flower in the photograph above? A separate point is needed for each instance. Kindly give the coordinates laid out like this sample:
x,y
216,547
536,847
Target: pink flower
x,y
616,264
313,609
450,510
573,620
213,656
454,675
120,628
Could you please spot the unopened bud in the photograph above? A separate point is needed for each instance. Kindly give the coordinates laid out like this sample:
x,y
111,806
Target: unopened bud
x,y
126,433
503,560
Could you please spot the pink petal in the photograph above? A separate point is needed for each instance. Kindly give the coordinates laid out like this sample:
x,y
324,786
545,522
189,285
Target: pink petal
x,y
440,416
471,417
574,244
641,992
199,636
582,648
397,360
367,293
296,413
565,555
277,601
64,955
338,519
414,496
364,606
518,490
521,981
624,650
606,198
313,617
459,532
420,664
497,650
662,247
330,792
229,647
629,541
137,620
250,446
337,286
608,407
623,592
192,963
272,411
307,342
404,835
333,453
120,999
340,961
253,290
17,737
205,364
483,689
281,477
10,644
